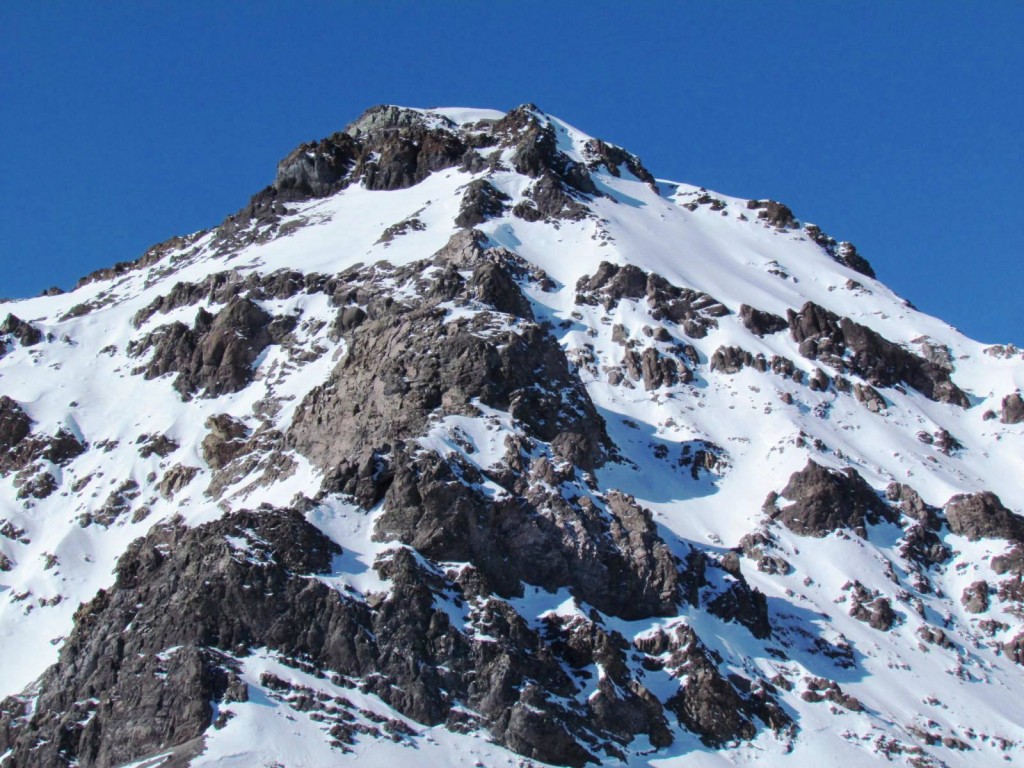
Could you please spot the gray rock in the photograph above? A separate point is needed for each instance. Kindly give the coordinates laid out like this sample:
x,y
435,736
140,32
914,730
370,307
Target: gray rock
x,y
773,213
481,201
15,424
761,323
214,357
850,347
26,333
975,597
843,253
869,397
1012,409
694,311
826,500
982,516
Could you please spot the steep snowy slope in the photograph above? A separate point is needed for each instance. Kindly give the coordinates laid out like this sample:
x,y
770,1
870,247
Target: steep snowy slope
x,y
468,441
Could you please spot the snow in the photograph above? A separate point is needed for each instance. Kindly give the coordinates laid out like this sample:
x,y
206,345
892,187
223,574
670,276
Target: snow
x,y
70,383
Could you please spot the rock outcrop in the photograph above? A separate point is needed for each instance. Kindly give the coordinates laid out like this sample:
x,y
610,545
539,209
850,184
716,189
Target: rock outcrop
x,y
1012,409
982,516
850,347
824,500
693,311
216,355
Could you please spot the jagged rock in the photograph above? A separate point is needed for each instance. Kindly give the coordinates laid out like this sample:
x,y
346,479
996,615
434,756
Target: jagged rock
x,y
621,705
707,703
402,366
1011,561
818,381
982,516
153,687
29,455
869,397
156,445
714,203
849,346
875,611
463,249
826,500
773,213
912,505
704,456
481,201
1014,649
696,312
740,602
935,636
26,333
613,158
975,597
216,356
535,149
844,253
222,287
403,227
118,502
15,424
225,442
1012,409
940,354
621,566
492,285
657,370
761,323
175,479
731,360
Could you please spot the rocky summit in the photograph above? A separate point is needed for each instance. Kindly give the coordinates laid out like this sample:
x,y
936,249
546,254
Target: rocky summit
x,y
469,441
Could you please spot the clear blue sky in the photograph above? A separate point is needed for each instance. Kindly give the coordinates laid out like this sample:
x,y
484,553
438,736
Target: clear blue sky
x,y
894,125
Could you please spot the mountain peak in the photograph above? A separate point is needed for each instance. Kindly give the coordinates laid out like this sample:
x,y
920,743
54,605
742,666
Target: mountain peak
x,y
467,425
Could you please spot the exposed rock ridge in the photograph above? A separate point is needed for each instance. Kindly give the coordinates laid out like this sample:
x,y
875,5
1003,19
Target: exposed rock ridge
x,y
849,346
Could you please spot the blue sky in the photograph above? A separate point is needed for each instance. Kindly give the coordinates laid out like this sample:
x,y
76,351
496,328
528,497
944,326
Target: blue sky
x,y
894,125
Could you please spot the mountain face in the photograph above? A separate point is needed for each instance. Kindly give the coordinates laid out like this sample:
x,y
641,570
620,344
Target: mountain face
x,y
470,442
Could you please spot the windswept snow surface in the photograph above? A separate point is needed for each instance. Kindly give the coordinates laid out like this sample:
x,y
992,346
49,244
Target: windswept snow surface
x,y
81,379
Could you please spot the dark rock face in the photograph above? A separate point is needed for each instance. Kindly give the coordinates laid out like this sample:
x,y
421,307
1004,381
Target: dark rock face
x,y
133,679
14,424
216,355
982,516
869,397
613,158
870,607
773,213
826,500
844,253
145,700
536,149
1012,410
732,360
975,597
222,287
761,323
695,312
621,565
30,456
850,347
708,703
26,333
405,362
739,602
481,201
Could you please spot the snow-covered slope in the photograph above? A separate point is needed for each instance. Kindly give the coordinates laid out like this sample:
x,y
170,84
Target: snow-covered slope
x,y
474,313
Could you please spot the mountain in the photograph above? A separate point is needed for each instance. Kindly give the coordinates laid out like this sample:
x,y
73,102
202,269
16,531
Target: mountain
x,y
468,441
